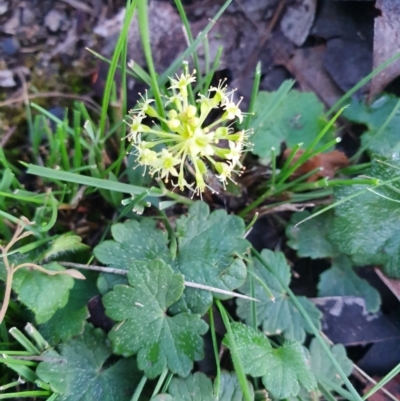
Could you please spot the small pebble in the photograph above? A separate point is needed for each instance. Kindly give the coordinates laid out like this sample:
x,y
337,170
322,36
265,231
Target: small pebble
x,y
53,20
9,46
4,6
10,27
27,16
7,79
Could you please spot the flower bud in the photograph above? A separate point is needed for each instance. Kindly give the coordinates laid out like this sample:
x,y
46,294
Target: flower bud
x,y
201,166
191,111
172,114
173,124
151,111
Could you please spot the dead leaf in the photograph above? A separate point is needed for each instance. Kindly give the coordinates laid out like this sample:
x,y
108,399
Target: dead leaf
x,y
327,162
393,387
306,65
298,19
392,284
347,321
386,44
347,29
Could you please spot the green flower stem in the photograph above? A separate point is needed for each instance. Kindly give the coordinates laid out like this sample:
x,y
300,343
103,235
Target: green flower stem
x,y
145,36
324,130
254,320
216,354
357,169
37,337
325,392
176,64
376,135
143,78
173,243
10,385
334,183
104,184
237,363
394,372
25,394
273,167
296,186
186,24
254,93
288,161
336,387
314,330
307,155
24,341
209,77
289,168
272,191
358,193
167,382
163,134
360,84
114,64
160,382
13,361
270,295
139,389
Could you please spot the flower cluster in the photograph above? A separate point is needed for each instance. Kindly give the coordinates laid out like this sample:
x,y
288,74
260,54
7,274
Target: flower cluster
x,y
186,143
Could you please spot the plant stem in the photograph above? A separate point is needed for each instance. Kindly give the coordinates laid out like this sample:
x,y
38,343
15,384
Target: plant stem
x,y
314,330
216,354
145,36
7,295
237,363
139,389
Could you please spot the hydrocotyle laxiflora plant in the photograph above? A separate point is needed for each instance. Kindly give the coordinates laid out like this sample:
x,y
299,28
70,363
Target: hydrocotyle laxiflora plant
x,y
189,143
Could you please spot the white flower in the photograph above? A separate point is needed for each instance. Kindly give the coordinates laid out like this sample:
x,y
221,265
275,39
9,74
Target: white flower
x,y
166,165
225,172
187,143
232,110
236,150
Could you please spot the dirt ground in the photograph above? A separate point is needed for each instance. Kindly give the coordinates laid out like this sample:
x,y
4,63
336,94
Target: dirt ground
x,y
327,46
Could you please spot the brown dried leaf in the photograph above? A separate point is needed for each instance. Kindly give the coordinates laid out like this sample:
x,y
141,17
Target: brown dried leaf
x,y
386,44
298,19
327,162
393,387
306,65
392,283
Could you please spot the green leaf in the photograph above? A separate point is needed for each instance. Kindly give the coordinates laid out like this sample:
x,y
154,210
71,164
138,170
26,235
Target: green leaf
x,y
310,239
63,244
282,369
198,387
321,365
42,293
341,280
70,320
377,140
281,316
210,247
146,329
79,370
298,119
367,227
132,241
230,390
162,397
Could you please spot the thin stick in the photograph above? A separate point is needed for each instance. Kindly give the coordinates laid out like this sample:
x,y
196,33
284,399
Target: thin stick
x,y
123,272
